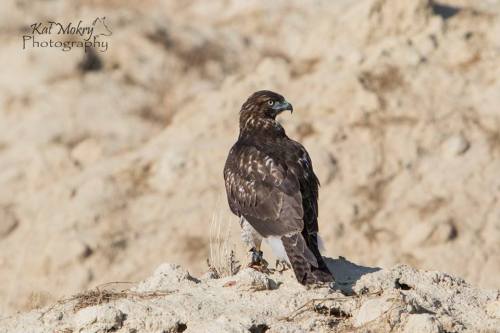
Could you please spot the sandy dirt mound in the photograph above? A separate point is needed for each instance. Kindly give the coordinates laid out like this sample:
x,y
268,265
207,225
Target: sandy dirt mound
x,y
111,163
400,299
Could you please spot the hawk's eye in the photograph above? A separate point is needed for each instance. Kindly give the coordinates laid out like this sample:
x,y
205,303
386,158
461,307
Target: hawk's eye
x,y
270,102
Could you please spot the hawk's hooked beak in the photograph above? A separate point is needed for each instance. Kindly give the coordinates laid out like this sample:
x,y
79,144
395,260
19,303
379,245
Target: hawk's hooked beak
x,y
283,106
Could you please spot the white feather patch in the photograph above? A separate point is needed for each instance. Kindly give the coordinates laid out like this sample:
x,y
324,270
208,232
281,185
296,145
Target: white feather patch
x,y
277,247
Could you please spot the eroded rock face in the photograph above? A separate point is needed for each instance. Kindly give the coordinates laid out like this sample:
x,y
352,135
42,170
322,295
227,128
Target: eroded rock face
x,y
371,310
423,293
110,163
252,280
402,299
421,323
98,319
166,277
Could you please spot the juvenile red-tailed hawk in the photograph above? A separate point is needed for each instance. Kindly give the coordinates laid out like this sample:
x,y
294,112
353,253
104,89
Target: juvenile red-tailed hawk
x,y
271,186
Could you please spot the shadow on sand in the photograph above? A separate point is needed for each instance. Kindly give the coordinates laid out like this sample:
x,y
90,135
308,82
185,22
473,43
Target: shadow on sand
x,y
347,273
445,11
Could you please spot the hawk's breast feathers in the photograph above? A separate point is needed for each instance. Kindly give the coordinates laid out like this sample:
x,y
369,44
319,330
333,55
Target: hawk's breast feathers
x,y
263,190
270,186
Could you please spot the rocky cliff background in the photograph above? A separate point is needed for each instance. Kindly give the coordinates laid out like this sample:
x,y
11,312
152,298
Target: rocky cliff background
x,y
111,162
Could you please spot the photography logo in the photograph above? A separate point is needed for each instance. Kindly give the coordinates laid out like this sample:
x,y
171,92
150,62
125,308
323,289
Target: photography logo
x,y
67,36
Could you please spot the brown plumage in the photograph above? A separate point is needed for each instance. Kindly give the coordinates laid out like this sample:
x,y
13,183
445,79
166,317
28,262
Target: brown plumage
x,y
271,185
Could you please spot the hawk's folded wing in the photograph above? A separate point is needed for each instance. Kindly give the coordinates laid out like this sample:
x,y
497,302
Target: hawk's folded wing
x,y
264,191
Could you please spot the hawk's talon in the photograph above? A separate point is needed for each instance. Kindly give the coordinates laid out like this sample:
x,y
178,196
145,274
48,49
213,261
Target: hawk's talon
x,y
257,257
281,266
262,267
257,261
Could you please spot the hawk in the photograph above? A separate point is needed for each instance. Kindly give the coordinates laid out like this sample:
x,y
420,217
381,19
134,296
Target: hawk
x,y
271,186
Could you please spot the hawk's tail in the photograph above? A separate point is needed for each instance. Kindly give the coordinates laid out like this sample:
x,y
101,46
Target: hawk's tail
x,y
304,262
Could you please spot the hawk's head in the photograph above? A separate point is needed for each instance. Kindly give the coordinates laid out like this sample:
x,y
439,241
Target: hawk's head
x,y
265,104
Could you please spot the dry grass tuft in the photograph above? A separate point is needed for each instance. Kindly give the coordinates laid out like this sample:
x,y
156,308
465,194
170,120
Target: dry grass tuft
x,y
222,261
105,293
318,305
97,297
37,300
